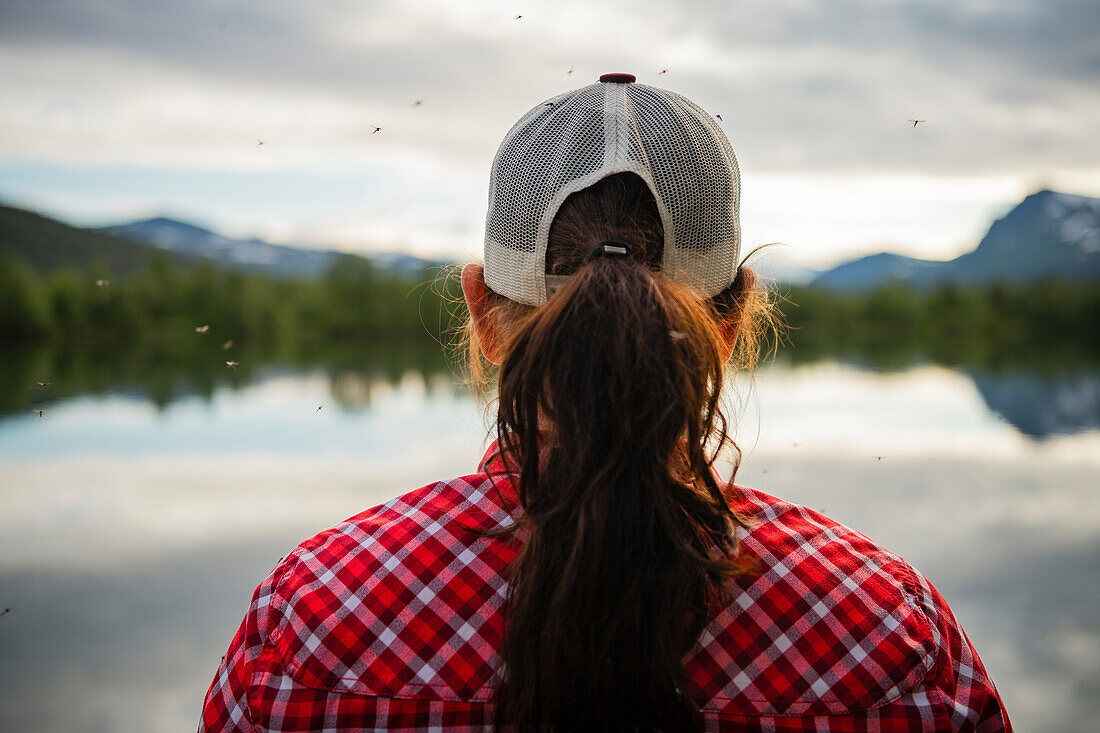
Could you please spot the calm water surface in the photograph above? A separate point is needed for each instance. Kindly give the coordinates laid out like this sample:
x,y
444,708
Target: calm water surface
x,y
132,535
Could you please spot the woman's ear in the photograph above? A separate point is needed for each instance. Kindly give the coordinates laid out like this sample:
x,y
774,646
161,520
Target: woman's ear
x,y
730,327
730,324
477,302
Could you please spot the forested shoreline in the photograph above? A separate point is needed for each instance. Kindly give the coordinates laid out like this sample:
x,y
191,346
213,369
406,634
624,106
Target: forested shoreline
x,y
1037,326
168,304
169,301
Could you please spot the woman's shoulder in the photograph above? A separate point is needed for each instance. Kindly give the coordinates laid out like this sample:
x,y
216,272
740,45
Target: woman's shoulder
x,y
401,599
826,622
821,550
433,515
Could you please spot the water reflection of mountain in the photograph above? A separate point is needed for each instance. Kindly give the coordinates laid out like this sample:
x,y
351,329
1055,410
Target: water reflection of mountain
x,y
1042,405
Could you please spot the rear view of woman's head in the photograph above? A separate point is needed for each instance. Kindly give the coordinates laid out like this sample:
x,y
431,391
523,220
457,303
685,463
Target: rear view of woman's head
x,y
611,298
577,139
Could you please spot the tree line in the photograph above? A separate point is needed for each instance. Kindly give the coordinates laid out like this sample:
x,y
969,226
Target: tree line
x,y
1039,324
164,303
168,301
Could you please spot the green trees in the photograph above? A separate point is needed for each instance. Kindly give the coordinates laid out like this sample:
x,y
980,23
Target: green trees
x,y
163,302
167,300
24,303
950,325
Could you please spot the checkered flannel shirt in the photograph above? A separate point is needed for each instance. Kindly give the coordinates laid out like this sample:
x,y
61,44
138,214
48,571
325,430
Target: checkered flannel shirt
x,y
392,621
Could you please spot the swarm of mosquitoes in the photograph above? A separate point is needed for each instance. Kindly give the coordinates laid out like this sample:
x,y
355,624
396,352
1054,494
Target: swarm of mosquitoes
x,y
202,330
37,410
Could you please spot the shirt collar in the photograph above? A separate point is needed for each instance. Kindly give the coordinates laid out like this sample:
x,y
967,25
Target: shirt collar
x,y
496,461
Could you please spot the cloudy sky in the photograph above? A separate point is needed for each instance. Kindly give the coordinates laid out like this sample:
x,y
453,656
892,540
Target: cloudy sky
x,y
119,109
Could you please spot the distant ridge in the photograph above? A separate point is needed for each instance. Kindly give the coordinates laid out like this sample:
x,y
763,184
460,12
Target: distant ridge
x,y
1049,235
189,240
47,244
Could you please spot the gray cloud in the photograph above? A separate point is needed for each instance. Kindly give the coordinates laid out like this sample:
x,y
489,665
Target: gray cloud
x,y
285,45
803,85
809,92
1033,38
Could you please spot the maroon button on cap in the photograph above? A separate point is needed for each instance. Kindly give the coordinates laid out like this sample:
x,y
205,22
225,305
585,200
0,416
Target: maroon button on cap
x,y
618,78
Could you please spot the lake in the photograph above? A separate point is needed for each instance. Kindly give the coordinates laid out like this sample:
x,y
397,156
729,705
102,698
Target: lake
x,y
138,513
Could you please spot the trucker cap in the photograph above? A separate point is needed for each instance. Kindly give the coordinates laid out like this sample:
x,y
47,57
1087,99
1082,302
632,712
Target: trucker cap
x,y
574,140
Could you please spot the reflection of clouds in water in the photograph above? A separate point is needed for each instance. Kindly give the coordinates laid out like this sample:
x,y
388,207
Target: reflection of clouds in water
x,y
835,409
275,415
1074,647
128,650
105,508
1033,602
832,409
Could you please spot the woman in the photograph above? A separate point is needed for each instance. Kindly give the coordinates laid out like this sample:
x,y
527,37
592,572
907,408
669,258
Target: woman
x,y
595,573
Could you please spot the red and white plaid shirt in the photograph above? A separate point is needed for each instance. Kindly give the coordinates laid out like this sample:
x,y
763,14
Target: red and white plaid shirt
x,y
392,621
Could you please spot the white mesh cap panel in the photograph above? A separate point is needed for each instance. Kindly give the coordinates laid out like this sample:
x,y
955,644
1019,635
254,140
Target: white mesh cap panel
x,y
554,144
697,180
572,141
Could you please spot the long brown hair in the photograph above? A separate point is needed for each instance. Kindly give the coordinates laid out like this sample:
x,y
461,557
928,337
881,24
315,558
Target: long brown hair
x,y
609,404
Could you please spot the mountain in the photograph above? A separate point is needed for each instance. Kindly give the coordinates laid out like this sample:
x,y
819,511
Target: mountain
x,y
869,272
188,240
1048,235
47,244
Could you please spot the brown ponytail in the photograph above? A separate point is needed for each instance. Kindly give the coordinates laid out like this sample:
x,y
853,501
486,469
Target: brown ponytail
x,y
609,403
